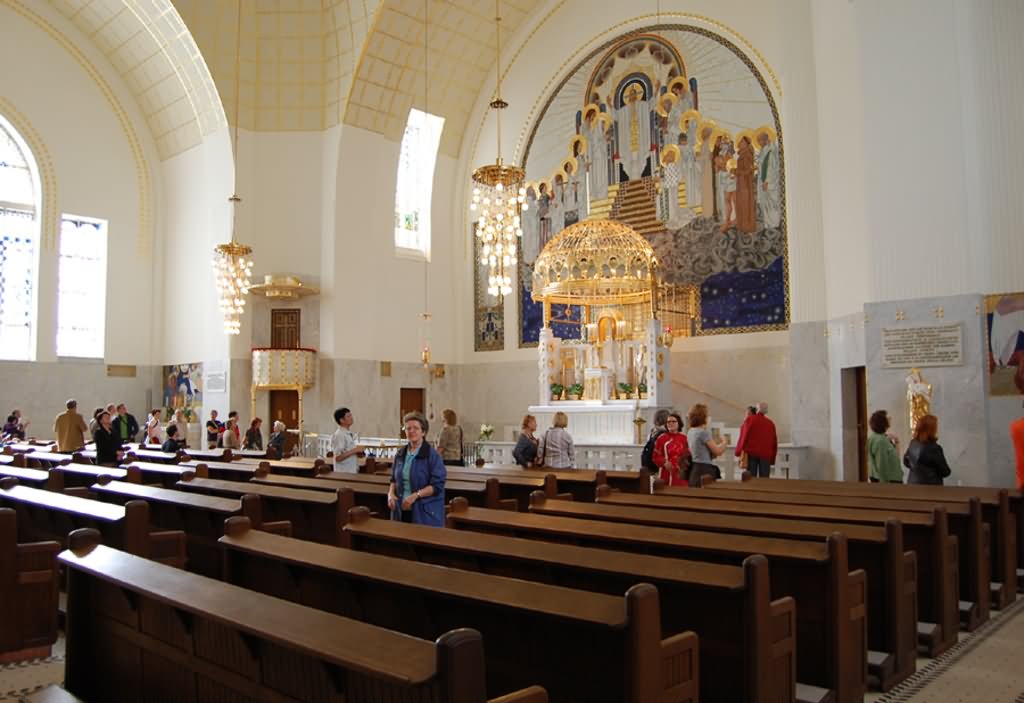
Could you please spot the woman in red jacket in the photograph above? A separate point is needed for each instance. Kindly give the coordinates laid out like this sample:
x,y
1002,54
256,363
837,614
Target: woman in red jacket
x,y
672,452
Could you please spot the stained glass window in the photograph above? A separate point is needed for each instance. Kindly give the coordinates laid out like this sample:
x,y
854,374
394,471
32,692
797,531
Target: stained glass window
x,y
415,180
82,287
19,235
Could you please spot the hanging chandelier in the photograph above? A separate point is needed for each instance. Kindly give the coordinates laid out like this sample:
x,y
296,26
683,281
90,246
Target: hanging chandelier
x,y
498,199
232,262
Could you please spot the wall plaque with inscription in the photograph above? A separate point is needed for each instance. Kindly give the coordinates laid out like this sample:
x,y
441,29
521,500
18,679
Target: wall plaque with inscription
x,y
936,345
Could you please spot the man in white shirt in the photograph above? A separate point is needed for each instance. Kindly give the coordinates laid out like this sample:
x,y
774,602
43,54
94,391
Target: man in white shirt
x,y
343,443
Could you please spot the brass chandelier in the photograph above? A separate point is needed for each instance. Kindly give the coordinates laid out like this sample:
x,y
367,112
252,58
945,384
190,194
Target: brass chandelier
x,y
232,262
498,197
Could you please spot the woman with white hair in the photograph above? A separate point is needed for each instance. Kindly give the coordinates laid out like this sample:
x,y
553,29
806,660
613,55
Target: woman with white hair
x,y
275,445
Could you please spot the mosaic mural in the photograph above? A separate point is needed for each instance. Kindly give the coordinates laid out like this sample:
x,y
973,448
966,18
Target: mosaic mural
x,y
673,131
1005,316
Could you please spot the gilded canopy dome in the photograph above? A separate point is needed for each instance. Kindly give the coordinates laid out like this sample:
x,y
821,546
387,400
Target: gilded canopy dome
x,y
595,262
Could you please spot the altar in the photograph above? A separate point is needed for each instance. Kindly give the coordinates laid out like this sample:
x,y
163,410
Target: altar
x,y
610,381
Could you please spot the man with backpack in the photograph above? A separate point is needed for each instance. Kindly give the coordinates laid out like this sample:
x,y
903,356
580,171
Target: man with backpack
x,y
647,455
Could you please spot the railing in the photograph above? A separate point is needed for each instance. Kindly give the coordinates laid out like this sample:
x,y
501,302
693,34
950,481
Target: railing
x,y
283,367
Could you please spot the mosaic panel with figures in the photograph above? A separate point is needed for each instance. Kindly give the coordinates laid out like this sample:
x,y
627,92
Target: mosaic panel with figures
x,y
488,311
673,131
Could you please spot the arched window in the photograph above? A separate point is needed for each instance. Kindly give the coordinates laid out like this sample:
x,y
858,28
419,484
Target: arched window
x,y
416,181
82,287
19,239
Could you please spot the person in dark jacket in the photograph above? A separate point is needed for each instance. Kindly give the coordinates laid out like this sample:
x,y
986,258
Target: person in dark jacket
x,y
254,435
108,445
418,475
275,445
924,456
172,445
525,450
125,425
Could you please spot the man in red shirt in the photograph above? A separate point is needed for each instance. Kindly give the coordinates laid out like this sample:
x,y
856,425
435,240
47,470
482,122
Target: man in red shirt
x,y
1017,437
760,441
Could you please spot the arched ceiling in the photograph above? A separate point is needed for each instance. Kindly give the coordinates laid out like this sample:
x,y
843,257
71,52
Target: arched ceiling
x,y
149,46
306,65
390,77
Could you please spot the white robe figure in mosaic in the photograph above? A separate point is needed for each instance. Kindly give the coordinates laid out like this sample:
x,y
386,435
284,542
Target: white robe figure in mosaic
x,y
575,195
682,105
769,202
633,122
598,153
556,208
690,171
672,215
531,226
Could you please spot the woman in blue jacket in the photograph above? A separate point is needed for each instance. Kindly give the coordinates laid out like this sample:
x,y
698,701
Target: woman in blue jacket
x,y
416,492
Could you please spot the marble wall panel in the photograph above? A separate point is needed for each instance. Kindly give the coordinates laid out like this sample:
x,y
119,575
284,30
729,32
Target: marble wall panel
x,y
958,395
810,397
41,389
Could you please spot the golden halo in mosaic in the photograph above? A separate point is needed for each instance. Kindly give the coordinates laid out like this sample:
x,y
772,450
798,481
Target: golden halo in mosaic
x,y
670,149
595,262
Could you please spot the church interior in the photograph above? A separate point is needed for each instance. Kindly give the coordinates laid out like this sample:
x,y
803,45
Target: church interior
x,y
471,216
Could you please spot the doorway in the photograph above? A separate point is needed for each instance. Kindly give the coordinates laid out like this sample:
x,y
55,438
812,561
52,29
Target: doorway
x,y
284,329
409,400
855,423
284,406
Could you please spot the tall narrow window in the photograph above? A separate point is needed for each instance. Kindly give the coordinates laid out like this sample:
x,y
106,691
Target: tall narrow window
x,y
416,181
82,287
19,237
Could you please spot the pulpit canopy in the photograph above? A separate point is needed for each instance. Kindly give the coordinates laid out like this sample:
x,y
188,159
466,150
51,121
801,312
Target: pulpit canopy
x,y
596,263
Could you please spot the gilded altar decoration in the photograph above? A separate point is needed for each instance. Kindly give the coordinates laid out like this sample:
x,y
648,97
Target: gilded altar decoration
x,y
282,287
283,369
919,397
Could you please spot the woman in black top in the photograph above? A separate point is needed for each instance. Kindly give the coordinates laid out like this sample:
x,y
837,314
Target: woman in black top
x,y
253,435
108,447
525,451
924,456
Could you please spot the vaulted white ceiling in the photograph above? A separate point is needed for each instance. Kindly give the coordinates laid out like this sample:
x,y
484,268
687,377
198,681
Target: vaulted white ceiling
x,y
304,64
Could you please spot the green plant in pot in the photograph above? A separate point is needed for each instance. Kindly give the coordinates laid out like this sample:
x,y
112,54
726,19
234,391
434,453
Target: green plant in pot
x,y
624,390
642,388
576,391
556,391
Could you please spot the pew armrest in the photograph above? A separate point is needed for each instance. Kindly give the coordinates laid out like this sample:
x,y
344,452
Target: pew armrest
x,y
77,492
533,694
168,547
507,504
782,646
680,666
279,527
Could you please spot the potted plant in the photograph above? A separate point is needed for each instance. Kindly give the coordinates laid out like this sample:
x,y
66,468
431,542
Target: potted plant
x,y
556,391
642,387
486,431
576,391
624,390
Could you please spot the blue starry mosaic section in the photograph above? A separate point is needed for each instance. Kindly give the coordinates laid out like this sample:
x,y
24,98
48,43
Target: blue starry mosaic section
x,y
732,300
531,315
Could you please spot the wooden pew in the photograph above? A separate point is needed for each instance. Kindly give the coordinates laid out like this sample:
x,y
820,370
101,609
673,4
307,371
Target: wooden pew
x,y
200,517
534,632
925,533
513,486
287,467
485,494
49,515
34,478
249,453
46,460
153,455
223,470
999,510
879,550
756,642
317,516
12,460
830,599
28,594
208,454
136,628
163,475
581,484
77,478
965,522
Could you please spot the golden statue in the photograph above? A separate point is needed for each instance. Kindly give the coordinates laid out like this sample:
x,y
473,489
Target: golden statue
x,y
919,397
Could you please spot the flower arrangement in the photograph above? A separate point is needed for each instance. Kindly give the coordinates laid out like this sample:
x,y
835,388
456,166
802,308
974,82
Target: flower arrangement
x,y
486,431
576,391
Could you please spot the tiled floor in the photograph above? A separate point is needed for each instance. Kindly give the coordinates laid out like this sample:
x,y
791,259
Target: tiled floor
x,y
21,678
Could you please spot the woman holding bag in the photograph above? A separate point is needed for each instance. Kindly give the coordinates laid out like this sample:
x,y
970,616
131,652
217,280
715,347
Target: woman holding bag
x,y
672,452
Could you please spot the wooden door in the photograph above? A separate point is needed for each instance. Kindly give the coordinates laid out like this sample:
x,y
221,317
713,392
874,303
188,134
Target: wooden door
x,y
410,400
284,329
860,377
284,406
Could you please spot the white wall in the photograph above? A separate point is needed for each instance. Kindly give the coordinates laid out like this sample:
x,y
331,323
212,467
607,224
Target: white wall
x,y
71,105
